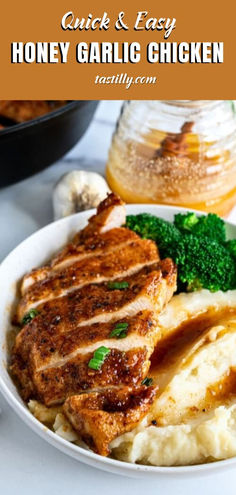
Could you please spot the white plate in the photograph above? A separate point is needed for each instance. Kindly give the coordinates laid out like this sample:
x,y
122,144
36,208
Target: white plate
x,y
31,253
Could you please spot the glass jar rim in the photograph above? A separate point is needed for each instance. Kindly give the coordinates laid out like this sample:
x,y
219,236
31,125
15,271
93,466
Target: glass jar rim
x,y
192,103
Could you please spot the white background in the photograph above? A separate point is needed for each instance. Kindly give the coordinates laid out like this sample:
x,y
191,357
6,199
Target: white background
x,y
28,465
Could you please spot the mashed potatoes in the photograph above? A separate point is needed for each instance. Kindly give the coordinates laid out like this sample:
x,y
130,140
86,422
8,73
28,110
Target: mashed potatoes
x,y
53,418
211,439
194,414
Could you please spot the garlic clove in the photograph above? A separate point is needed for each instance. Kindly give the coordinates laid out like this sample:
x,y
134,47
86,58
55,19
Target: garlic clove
x,y
77,191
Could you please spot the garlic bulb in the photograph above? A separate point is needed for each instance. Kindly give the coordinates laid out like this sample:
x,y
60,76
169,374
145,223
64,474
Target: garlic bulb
x,y
77,191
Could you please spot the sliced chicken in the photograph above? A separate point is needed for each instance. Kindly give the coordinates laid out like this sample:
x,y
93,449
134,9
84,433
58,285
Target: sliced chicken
x,y
132,258
104,290
119,369
48,348
100,417
110,215
98,244
44,357
103,234
150,288
21,372
64,317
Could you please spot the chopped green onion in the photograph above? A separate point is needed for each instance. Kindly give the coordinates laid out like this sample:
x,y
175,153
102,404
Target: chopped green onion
x,y
95,364
118,285
123,325
122,335
119,331
147,381
101,352
29,316
98,358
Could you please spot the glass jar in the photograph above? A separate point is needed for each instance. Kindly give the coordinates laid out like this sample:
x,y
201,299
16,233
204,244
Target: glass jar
x,y
176,152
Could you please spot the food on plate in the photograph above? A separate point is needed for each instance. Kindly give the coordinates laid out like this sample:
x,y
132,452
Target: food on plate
x,y
193,417
196,244
211,226
100,417
15,112
199,376
211,439
109,354
78,190
89,326
121,263
46,415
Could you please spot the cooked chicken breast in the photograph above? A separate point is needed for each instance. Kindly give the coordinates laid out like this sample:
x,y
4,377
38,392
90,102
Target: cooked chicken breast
x,y
119,369
102,234
99,268
149,289
100,417
53,358
103,291
97,244
46,347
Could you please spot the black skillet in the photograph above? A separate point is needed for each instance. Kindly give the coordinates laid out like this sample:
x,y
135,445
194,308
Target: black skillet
x,y
29,147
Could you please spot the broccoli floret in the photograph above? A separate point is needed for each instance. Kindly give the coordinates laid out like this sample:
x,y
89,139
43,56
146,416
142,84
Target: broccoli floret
x,y
151,227
231,247
203,263
210,226
185,222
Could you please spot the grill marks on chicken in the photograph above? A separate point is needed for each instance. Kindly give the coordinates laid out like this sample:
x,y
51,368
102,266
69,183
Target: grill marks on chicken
x,y
77,311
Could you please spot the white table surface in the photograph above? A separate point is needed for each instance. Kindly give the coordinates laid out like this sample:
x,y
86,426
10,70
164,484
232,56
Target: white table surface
x,y
28,465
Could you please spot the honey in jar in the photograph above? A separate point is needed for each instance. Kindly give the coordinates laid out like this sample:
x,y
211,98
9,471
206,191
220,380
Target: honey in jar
x,y
175,152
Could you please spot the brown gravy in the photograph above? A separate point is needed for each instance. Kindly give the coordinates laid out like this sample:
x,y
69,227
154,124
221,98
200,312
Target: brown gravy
x,y
224,389
170,347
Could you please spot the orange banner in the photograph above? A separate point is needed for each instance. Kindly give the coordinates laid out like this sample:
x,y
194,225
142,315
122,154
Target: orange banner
x,y
148,50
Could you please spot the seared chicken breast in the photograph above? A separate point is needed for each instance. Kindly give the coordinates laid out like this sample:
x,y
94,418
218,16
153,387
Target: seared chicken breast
x,y
104,290
102,234
98,268
101,417
98,244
